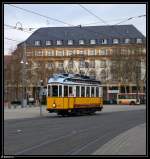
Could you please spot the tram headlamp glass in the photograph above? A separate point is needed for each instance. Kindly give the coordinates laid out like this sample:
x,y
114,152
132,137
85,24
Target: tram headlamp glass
x,y
54,105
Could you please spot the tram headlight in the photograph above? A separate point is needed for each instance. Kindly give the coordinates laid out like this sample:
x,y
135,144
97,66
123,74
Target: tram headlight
x,y
54,105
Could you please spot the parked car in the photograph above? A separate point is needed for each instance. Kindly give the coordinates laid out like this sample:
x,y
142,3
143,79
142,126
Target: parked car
x,y
31,100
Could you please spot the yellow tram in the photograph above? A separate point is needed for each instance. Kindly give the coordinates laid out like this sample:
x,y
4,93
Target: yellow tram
x,y
73,94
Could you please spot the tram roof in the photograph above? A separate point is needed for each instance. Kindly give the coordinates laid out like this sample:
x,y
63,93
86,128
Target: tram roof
x,y
72,79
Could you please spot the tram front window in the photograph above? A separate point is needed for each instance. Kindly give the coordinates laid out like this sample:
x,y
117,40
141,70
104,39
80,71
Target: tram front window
x,y
54,91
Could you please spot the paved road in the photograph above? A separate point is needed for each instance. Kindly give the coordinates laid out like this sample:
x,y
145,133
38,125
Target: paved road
x,y
30,112
80,135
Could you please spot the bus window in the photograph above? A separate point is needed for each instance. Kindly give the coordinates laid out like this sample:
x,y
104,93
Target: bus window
x,y
54,91
87,91
65,91
97,91
82,91
60,91
70,91
78,91
92,91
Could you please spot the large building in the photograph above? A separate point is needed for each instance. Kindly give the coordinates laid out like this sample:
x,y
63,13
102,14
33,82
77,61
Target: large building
x,y
115,55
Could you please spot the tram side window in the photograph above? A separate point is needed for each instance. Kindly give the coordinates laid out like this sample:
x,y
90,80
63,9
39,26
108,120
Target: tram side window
x,y
87,91
92,91
82,91
77,91
65,91
97,91
70,92
49,90
54,91
60,91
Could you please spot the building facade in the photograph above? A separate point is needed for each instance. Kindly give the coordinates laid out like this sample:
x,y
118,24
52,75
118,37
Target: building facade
x,y
115,55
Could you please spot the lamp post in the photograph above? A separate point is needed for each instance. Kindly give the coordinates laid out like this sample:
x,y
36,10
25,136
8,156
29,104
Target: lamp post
x,y
40,96
24,63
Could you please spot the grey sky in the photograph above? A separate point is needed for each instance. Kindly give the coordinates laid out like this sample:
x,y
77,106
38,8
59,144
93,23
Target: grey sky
x,y
69,13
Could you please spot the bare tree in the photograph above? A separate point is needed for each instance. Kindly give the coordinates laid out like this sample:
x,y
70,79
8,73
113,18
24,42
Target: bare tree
x,y
126,65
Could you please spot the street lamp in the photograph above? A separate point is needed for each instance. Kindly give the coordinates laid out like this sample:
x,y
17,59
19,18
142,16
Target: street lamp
x,y
40,96
24,63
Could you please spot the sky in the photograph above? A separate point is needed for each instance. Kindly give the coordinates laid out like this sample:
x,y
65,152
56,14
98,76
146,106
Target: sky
x,y
73,14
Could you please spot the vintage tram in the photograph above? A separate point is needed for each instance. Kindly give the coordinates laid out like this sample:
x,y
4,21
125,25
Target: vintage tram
x,y
73,94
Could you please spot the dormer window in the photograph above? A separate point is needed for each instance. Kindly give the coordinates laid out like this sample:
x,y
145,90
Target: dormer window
x,y
104,41
138,40
48,43
81,42
59,42
115,41
92,41
127,41
37,43
70,42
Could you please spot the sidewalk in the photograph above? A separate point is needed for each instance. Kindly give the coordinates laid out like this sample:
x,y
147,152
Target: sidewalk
x,y
131,142
26,112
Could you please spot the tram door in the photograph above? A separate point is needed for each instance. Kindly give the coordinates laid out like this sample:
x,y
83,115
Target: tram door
x,y
68,97
71,97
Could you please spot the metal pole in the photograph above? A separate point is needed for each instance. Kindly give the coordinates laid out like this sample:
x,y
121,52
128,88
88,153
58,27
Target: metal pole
x,y
23,76
40,95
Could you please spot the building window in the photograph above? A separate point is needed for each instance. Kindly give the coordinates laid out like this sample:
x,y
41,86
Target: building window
x,y
92,64
138,40
92,52
103,64
59,52
29,53
104,41
81,52
92,41
70,42
38,53
81,64
70,64
81,42
37,43
59,42
48,43
102,52
127,41
115,41
49,53
50,65
61,64
70,52
103,75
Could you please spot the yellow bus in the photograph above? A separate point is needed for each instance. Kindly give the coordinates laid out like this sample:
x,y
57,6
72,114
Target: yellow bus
x,y
131,98
73,94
